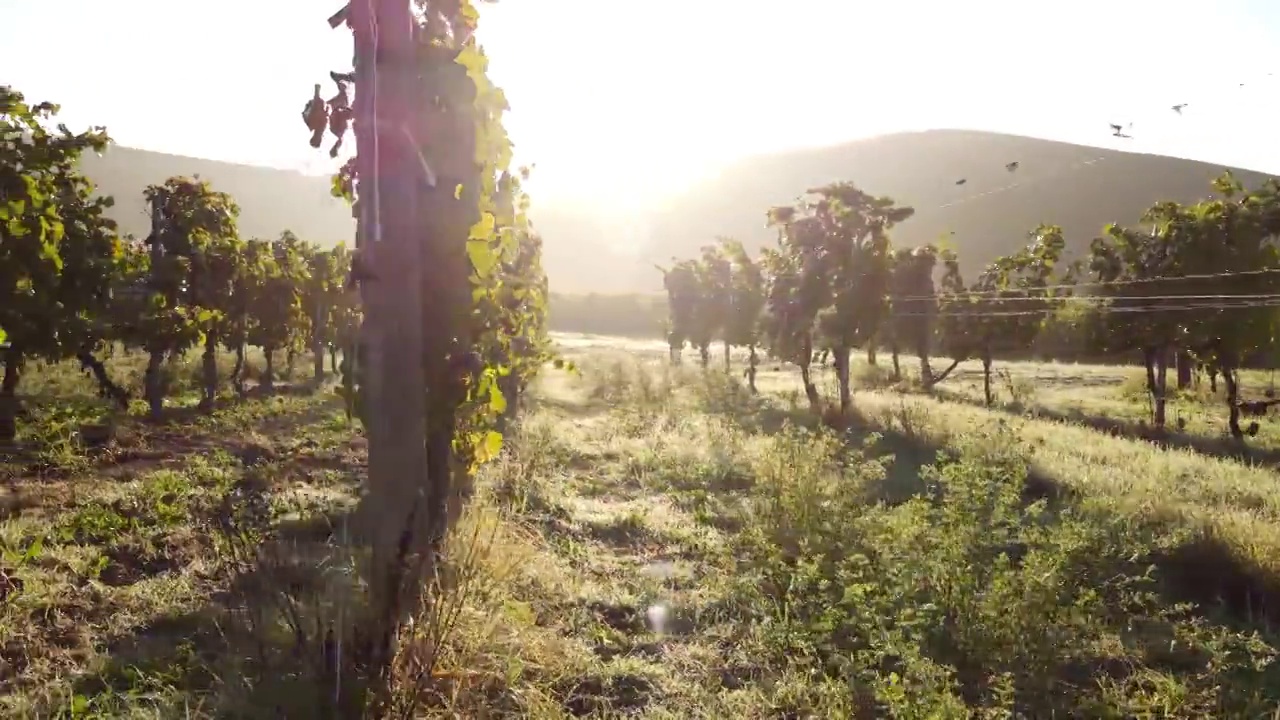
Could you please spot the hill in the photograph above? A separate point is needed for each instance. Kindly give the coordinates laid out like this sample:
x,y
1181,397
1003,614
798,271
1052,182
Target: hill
x,y
1078,187
271,200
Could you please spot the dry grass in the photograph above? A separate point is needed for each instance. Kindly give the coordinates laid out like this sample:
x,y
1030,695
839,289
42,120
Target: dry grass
x,y
656,542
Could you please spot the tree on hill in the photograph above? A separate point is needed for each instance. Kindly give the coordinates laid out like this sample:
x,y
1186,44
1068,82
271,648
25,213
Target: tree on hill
x,y
1237,238
715,301
188,216
1077,187
279,320
253,264
683,297
1194,277
325,299
797,293
1007,304
223,266
1142,310
747,296
913,309
842,233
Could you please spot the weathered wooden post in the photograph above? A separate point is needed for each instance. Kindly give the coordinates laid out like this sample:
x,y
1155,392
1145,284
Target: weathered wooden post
x,y
153,380
418,192
391,243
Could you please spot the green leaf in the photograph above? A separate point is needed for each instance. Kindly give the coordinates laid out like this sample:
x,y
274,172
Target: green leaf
x,y
34,550
4,337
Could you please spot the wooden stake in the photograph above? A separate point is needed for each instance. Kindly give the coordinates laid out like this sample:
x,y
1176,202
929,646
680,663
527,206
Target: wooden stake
x,y
393,325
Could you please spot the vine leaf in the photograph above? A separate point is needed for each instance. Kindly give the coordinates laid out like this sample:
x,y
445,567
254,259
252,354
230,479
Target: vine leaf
x,y
484,227
497,401
481,257
489,446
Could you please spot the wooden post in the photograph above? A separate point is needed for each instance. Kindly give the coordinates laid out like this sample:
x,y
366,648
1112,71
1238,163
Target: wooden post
x,y
152,380
393,327
319,319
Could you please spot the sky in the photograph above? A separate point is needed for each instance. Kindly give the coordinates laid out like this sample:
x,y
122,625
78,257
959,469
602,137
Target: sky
x,y
623,103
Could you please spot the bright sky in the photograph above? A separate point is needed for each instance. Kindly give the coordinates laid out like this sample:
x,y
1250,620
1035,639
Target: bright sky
x,y
622,103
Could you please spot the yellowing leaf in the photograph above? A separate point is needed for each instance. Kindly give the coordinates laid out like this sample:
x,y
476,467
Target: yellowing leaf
x,y
483,229
489,446
482,258
471,59
469,13
497,401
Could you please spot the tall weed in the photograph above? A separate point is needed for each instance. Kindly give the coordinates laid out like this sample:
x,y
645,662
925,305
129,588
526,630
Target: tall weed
x,y
969,598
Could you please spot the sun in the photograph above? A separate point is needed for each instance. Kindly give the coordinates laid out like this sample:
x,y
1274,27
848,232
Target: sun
x,y
605,120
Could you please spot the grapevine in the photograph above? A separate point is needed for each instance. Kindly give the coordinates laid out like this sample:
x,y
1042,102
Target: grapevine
x,y
483,298
46,214
72,287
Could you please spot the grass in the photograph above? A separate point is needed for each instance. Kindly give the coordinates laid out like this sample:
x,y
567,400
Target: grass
x,y
658,542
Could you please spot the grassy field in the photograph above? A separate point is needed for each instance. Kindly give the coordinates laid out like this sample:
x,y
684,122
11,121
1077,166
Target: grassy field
x,y
658,542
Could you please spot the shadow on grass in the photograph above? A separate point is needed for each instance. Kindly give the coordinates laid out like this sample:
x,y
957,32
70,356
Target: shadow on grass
x,y
171,661
1222,448
1208,572
270,645
182,431
218,660
535,403
910,453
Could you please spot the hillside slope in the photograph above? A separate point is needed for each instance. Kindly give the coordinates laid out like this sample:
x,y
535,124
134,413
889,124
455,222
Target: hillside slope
x,y
1081,188
271,200
1078,187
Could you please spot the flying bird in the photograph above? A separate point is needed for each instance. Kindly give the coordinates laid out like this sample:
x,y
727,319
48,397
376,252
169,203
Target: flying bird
x,y
962,181
1116,128
1178,108
1011,166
